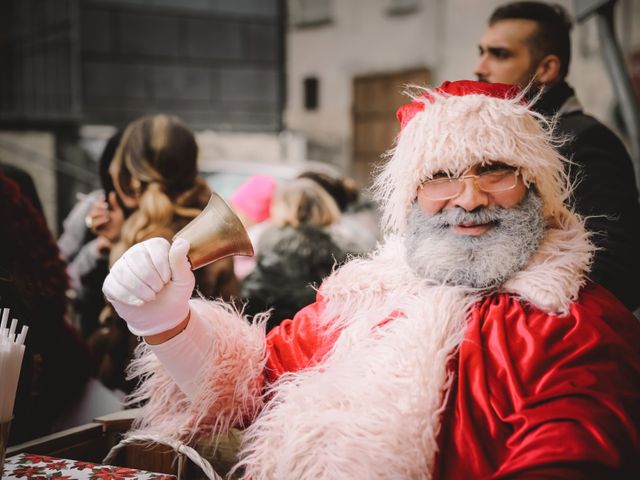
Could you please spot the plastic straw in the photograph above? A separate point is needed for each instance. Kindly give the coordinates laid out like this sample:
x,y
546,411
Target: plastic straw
x,y
5,317
23,334
11,354
12,330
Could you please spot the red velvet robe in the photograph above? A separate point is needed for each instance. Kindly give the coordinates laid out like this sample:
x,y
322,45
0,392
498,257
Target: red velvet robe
x,y
536,395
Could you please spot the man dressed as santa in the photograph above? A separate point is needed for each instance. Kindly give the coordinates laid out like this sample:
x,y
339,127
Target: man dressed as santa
x,y
470,345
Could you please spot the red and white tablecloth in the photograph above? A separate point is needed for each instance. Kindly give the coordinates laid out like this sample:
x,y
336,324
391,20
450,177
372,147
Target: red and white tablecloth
x,y
39,467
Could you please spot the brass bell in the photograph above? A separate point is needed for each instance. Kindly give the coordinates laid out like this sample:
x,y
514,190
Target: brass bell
x,y
215,233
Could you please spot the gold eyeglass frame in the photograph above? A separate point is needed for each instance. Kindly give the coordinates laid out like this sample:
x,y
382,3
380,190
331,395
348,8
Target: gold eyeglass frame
x,y
475,182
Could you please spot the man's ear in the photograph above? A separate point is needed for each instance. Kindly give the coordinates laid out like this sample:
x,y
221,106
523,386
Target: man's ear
x,y
548,70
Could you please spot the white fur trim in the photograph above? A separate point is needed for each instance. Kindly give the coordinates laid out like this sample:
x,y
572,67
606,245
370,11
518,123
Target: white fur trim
x,y
229,380
557,272
372,408
453,133
551,281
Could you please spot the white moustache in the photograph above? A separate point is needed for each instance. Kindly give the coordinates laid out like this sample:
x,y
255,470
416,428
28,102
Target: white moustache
x,y
459,216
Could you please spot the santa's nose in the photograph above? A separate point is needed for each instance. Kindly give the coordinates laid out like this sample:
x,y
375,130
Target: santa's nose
x,y
471,197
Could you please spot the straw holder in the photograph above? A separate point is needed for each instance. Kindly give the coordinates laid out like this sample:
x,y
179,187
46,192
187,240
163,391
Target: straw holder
x,y
11,354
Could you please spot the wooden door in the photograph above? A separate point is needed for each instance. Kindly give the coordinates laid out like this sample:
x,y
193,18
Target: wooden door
x,y
375,101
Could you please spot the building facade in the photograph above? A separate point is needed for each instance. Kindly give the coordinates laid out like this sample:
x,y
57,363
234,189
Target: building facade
x,y
66,64
348,60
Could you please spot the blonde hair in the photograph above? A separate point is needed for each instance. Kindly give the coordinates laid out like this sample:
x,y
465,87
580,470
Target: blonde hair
x,y
156,163
303,202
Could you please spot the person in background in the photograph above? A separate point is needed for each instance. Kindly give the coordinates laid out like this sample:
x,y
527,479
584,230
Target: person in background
x,y
295,252
529,43
252,200
252,203
89,230
357,230
471,344
24,182
154,173
33,282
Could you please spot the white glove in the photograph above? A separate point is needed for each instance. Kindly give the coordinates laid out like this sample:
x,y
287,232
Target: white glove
x,y
150,286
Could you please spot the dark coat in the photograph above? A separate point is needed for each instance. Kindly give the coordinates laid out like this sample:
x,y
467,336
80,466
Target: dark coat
x,y
605,193
290,263
33,282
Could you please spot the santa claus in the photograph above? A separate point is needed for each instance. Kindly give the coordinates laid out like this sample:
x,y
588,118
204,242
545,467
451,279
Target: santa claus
x,y
471,344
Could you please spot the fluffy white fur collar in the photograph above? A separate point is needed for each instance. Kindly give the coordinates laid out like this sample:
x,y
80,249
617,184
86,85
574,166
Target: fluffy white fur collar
x,y
551,281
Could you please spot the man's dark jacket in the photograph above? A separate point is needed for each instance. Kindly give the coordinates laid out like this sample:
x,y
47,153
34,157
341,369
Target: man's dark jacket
x,y
605,192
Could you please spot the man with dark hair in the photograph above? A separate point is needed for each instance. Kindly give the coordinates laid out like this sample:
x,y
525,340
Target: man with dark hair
x,y
541,30
529,43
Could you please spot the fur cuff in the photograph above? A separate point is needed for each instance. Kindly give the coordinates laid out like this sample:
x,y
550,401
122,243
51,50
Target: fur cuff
x,y
227,388
557,272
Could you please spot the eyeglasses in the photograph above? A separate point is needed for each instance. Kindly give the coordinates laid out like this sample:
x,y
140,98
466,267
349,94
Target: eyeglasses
x,y
492,181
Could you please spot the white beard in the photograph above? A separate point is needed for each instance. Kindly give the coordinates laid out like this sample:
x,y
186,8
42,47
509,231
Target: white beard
x,y
484,261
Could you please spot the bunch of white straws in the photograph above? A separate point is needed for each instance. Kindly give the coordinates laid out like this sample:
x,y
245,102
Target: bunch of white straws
x,y
11,353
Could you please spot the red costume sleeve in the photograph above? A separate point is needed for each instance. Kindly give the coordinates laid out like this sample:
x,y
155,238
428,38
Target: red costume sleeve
x,y
298,343
542,396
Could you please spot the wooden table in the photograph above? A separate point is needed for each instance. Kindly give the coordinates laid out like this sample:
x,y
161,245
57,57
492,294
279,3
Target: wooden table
x,y
92,441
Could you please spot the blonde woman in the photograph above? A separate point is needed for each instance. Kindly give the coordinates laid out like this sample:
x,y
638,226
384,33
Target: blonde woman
x,y
154,172
295,253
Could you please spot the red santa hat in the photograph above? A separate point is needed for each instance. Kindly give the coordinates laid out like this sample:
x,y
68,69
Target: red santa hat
x,y
461,124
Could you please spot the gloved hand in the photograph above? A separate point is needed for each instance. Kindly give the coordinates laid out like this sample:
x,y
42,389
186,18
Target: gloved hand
x,y
150,285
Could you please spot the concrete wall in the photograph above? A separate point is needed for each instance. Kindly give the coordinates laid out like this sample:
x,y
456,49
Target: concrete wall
x,y
361,39
285,147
